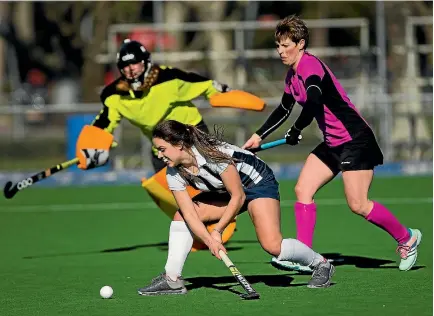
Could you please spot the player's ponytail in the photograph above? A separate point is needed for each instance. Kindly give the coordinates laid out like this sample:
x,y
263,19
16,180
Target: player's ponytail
x,y
207,144
177,133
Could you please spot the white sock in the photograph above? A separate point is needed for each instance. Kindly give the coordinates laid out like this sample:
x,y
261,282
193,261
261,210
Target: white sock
x,y
295,251
180,243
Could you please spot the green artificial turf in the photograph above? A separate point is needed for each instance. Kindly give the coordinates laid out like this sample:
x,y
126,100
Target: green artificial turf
x,y
59,246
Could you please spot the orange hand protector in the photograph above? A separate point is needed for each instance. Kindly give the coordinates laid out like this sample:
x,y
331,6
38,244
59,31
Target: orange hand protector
x,y
91,137
237,99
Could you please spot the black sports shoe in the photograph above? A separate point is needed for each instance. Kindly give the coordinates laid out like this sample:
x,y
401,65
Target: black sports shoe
x,y
321,276
162,285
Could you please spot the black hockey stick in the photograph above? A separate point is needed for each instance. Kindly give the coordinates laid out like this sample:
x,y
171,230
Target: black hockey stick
x,y
251,293
11,189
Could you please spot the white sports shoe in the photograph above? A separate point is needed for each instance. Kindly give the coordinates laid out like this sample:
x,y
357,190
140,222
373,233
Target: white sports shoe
x,y
408,251
289,266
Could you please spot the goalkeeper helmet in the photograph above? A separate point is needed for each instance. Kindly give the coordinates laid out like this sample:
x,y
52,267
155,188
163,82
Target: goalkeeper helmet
x,y
132,52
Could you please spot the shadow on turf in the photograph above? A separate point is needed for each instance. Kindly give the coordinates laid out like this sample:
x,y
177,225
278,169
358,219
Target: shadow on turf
x,y
361,262
163,246
217,282
340,259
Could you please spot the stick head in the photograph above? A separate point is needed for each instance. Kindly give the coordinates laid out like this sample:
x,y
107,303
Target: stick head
x,y
250,296
8,193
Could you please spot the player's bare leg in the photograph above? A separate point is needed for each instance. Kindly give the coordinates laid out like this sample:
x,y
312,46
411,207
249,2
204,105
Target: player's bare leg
x,y
265,215
180,243
356,184
313,176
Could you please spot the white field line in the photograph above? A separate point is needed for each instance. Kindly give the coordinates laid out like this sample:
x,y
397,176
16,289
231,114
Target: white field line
x,y
123,206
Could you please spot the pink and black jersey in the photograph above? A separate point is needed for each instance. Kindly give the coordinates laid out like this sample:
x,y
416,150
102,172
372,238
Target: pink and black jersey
x,y
327,102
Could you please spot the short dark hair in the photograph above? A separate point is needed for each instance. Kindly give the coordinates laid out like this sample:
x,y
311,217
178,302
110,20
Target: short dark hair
x,y
294,28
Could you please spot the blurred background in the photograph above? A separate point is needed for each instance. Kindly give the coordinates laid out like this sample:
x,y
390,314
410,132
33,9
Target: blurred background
x,y
55,57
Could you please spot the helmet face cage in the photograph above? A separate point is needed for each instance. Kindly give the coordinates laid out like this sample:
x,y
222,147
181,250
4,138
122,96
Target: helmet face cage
x,y
132,52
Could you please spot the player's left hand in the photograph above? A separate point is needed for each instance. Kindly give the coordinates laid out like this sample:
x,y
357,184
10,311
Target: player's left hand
x,y
216,236
293,136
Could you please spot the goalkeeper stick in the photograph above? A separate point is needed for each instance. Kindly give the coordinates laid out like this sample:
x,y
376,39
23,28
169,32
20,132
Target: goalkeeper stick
x,y
11,189
251,293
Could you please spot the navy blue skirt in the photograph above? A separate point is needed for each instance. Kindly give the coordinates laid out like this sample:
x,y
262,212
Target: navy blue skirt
x,y
267,188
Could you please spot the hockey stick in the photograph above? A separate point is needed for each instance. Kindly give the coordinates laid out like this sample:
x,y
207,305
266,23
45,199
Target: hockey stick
x,y
268,145
251,293
11,189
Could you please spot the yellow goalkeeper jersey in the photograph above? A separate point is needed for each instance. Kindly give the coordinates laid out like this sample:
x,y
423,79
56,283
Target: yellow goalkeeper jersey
x,y
166,95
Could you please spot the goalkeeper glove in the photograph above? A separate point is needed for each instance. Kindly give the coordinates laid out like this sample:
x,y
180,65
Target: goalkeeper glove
x,y
92,147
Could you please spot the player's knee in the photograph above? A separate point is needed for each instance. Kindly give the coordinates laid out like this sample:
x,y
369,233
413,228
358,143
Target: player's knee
x,y
272,246
178,217
303,193
359,206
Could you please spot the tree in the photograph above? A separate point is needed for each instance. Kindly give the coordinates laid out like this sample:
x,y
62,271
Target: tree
x,y
74,43
218,41
102,15
400,80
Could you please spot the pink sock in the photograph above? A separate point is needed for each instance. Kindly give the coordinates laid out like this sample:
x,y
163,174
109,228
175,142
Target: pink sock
x,y
383,218
305,219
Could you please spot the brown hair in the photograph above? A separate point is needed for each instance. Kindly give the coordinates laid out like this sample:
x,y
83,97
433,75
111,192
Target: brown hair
x,y
177,133
294,28
123,85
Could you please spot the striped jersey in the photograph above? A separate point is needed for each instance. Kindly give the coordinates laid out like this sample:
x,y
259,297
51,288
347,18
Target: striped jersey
x,y
251,169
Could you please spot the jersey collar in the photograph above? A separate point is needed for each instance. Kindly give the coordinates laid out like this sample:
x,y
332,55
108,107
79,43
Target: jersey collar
x,y
199,158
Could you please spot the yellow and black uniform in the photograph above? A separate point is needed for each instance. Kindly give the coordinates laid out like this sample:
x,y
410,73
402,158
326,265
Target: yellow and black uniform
x,y
155,94
165,95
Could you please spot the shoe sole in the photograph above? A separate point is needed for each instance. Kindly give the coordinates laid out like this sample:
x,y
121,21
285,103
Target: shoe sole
x,y
281,267
327,284
418,240
173,292
284,268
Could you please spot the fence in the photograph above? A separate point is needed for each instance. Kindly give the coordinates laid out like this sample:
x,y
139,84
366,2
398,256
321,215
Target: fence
x,y
256,69
27,144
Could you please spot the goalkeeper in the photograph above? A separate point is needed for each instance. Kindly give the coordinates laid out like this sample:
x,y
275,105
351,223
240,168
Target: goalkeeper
x,y
146,94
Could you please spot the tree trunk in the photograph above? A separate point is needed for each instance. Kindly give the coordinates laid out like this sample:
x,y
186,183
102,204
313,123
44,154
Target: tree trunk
x,y
318,36
23,21
218,41
176,12
93,73
4,11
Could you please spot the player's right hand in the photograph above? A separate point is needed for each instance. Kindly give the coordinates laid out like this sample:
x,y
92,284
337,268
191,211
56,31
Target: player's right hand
x,y
215,246
253,142
293,136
